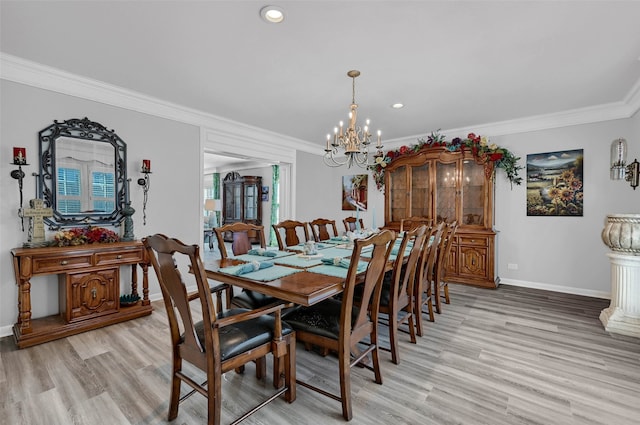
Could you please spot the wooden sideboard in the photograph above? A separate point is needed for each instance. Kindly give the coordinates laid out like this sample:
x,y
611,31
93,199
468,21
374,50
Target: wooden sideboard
x,y
88,287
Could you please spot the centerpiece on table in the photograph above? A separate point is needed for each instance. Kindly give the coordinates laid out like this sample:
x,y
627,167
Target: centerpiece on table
x,y
84,235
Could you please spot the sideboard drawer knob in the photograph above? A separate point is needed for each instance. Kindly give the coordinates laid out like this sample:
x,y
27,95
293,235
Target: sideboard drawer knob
x,y
64,262
119,257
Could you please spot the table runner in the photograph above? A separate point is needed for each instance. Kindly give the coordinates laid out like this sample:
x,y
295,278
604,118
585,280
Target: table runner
x,y
299,261
336,271
300,246
263,275
250,257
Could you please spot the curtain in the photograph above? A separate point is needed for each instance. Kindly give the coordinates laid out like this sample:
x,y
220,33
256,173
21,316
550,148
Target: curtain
x,y
216,195
275,204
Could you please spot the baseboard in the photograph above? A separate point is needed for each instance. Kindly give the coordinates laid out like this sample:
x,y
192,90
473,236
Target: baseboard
x,y
6,331
556,288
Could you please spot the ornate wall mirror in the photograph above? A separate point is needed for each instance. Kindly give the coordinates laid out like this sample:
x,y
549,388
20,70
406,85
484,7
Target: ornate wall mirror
x,y
83,173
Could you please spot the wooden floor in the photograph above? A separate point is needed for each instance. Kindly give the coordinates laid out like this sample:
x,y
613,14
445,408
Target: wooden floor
x,y
505,356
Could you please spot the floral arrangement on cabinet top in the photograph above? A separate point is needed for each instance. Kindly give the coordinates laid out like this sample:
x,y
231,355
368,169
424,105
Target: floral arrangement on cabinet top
x,y
479,146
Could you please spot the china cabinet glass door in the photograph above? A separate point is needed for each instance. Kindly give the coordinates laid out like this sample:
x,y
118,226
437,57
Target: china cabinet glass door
x,y
251,202
446,181
473,182
420,197
398,192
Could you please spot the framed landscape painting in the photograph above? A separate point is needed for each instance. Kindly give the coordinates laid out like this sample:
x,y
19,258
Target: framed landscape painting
x,y
555,183
354,192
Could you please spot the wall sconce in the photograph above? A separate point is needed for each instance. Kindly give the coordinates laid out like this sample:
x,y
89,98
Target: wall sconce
x,y
19,159
619,167
145,182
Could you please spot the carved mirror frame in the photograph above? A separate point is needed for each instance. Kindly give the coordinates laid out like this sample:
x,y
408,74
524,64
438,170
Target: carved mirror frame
x,y
82,129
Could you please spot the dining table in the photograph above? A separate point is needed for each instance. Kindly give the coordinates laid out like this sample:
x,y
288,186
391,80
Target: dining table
x,y
294,276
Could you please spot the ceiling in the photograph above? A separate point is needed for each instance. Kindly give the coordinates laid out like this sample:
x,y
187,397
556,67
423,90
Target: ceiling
x,y
452,64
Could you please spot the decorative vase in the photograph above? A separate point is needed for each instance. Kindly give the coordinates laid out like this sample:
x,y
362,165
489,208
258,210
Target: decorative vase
x,y
621,233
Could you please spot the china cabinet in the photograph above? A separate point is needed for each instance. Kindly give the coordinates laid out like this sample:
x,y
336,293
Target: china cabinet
x,y
447,186
88,288
241,201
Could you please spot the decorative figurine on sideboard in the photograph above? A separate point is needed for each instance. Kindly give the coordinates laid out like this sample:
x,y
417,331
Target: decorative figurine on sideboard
x,y
36,213
145,182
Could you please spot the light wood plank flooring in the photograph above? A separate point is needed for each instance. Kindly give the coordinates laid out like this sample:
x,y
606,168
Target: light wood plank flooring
x,y
505,356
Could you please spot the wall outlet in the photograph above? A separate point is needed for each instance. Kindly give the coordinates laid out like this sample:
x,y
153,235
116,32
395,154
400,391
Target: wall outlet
x,y
512,266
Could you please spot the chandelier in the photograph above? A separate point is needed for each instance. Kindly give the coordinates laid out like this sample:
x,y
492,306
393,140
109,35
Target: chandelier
x,y
354,140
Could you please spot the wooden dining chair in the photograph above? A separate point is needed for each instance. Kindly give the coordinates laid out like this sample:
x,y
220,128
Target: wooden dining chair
x,y
424,276
344,328
413,222
241,245
220,342
397,295
350,224
289,232
440,285
323,229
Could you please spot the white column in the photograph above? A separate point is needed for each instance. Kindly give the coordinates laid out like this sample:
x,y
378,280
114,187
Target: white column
x,y
623,315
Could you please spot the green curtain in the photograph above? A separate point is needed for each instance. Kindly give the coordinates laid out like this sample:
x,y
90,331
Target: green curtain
x,y
216,195
275,204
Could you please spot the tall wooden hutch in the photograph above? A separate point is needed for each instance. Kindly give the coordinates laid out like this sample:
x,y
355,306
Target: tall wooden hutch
x,y
447,186
241,201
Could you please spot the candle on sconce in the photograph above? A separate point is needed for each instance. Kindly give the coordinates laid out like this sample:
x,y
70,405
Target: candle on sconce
x,y
127,200
19,156
146,165
328,141
379,139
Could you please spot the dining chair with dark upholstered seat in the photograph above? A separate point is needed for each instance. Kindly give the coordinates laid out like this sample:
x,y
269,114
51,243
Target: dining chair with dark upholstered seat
x,y
424,276
323,229
440,285
340,326
397,296
242,245
350,224
289,232
413,222
220,342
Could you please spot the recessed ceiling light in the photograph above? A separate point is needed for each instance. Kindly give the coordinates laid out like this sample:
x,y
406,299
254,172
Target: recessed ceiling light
x,y
397,106
272,14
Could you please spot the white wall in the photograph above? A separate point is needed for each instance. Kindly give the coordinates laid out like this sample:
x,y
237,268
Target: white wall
x,y
564,253
175,196
319,192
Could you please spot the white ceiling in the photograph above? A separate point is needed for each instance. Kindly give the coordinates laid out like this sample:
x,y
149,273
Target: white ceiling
x,y
452,63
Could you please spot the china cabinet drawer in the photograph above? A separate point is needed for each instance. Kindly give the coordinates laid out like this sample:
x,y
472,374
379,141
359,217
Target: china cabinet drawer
x,y
57,263
118,257
473,240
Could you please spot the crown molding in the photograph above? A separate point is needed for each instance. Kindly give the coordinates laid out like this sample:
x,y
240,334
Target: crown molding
x,y
592,114
16,69
22,71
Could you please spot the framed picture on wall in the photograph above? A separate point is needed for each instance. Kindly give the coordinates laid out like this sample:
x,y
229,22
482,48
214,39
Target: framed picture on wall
x,y
264,193
354,192
555,183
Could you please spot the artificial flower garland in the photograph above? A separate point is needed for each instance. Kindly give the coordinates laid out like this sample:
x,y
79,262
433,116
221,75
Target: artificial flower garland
x,y
84,235
479,146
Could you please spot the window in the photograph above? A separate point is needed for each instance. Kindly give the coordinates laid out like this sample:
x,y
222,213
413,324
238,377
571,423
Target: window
x,y
69,200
